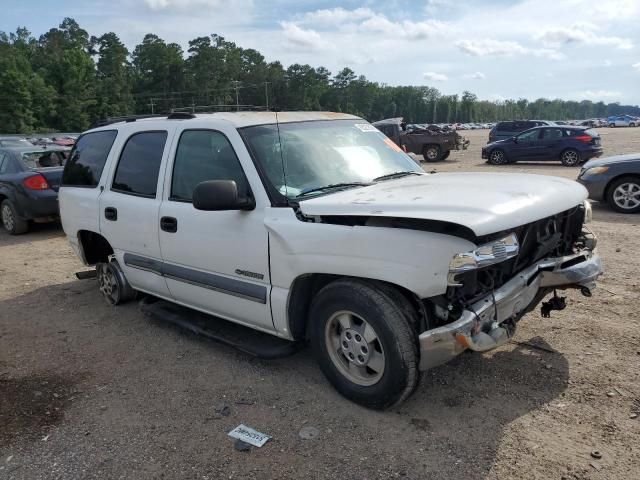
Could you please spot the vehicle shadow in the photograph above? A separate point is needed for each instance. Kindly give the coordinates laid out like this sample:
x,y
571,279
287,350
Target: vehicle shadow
x,y
37,232
451,427
604,213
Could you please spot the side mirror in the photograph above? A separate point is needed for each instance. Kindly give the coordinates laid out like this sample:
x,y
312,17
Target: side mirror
x,y
218,195
514,139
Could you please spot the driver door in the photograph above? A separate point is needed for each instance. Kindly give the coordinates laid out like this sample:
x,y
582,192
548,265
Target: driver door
x,y
526,146
214,261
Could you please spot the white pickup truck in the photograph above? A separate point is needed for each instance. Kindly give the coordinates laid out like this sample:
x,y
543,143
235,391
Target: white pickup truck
x,y
316,227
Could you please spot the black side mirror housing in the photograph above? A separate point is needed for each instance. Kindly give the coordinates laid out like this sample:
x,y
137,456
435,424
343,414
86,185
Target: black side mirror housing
x,y
219,195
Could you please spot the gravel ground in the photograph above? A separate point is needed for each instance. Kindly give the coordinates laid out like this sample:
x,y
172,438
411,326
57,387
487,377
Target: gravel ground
x,y
88,391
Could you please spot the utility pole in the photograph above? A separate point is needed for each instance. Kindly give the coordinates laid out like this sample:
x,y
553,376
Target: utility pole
x,y
236,82
151,104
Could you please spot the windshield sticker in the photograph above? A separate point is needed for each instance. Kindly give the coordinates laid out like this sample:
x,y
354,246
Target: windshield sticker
x,y
390,143
365,127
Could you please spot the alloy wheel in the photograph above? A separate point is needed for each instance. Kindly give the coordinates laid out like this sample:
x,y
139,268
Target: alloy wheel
x,y
570,158
109,285
354,348
627,195
7,218
497,157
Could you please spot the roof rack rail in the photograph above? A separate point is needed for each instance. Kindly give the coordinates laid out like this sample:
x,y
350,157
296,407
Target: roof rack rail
x,y
133,118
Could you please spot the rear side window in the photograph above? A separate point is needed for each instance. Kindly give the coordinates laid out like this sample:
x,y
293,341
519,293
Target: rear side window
x,y
84,167
139,164
204,155
505,127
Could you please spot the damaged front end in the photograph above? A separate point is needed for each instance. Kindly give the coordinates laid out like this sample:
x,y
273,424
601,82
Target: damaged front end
x,y
508,275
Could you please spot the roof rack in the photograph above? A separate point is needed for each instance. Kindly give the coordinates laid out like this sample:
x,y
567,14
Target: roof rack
x,y
133,118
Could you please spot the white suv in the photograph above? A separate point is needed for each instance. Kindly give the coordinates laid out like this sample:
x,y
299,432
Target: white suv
x,y
315,226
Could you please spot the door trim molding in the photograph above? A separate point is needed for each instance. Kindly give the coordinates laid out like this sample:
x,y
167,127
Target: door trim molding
x,y
210,281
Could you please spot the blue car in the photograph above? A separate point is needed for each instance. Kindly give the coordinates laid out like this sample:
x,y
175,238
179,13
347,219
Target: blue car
x,y
570,145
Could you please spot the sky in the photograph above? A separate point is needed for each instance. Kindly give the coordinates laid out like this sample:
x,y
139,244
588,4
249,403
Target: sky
x,y
498,49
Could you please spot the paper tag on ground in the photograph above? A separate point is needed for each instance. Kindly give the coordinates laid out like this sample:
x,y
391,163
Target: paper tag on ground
x,y
249,435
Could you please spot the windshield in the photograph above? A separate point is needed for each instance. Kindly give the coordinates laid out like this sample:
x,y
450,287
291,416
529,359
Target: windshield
x,y
44,159
309,155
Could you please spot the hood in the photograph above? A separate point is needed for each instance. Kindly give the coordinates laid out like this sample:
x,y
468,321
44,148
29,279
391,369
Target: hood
x,y
483,202
597,162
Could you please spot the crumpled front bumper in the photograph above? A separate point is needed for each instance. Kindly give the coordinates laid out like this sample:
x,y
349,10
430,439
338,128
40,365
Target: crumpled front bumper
x,y
480,327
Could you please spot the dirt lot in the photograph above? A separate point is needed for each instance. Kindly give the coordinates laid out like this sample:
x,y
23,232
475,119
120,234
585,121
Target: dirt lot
x,y
88,391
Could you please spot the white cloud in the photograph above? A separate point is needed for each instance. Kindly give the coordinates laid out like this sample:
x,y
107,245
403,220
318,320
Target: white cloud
x,y
301,39
486,48
159,5
636,66
475,76
435,77
365,20
335,16
597,94
581,34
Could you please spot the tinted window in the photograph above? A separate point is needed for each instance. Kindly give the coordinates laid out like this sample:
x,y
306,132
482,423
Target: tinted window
x,y
505,127
4,163
204,155
139,164
551,134
529,136
84,167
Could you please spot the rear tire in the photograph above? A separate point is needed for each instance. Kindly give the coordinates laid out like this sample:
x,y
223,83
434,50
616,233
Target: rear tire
x,y
623,195
12,222
498,157
112,283
431,153
364,343
570,157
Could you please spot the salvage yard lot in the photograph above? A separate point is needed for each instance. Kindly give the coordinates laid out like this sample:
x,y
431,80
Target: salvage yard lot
x,y
89,391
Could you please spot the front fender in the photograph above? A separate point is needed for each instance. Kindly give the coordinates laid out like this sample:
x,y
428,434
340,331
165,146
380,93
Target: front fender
x,y
413,259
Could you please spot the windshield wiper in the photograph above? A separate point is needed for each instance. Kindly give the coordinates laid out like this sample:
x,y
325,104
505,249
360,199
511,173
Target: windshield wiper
x,y
395,175
332,187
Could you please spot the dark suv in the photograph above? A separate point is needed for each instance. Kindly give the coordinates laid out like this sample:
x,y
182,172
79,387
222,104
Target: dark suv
x,y
504,130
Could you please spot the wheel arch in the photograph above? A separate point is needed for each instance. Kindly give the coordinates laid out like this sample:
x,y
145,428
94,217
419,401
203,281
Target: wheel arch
x,y
305,287
94,247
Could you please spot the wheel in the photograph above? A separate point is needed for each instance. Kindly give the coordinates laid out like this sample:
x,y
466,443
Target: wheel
x,y
445,155
113,285
364,343
624,195
11,221
632,124
431,153
570,158
498,157
612,125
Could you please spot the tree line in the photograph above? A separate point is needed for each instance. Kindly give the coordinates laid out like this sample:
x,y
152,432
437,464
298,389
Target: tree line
x,y
66,79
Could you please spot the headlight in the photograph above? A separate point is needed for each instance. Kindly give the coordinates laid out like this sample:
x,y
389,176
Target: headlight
x,y
588,212
594,170
483,256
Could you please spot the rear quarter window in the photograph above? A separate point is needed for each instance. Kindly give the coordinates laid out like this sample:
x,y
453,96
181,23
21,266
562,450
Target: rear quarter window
x,y
139,165
87,159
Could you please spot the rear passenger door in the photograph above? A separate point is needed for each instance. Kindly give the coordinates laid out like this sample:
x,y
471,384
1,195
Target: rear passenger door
x,y
215,261
551,144
129,208
526,146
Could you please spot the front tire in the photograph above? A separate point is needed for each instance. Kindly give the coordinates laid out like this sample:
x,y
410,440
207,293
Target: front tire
x,y
12,222
570,158
498,157
364,343
431,153
623,195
